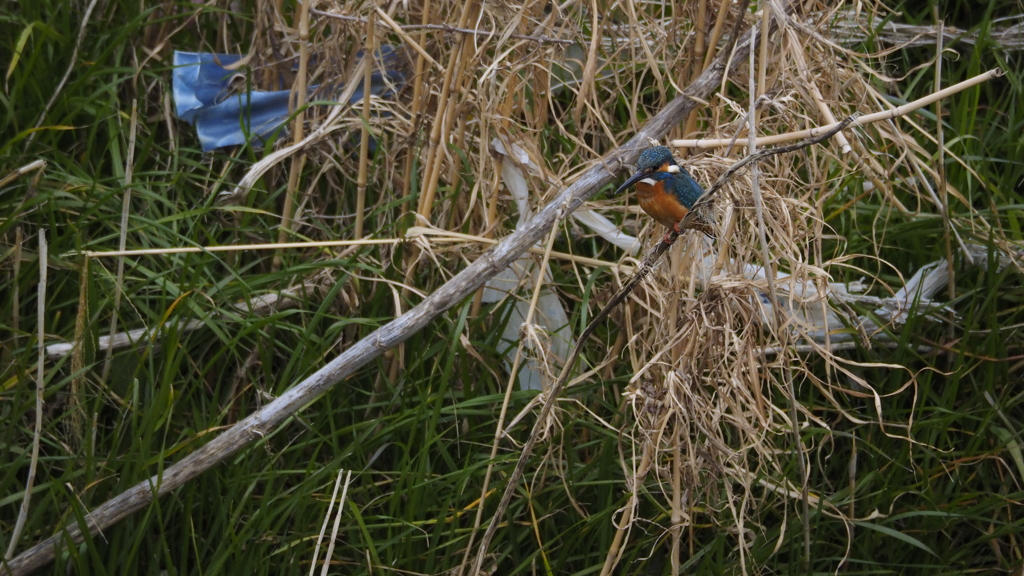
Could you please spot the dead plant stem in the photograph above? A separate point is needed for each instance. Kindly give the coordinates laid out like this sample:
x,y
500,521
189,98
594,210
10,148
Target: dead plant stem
x,y
19,524
860,121
323,527
499,431
123,236
422,54
15,174
709,55
67,73
677,501
762,61
460,29
414,119
438,137
779,328
690,222
297,130
626,520
364,132
808,79
337,524
940,166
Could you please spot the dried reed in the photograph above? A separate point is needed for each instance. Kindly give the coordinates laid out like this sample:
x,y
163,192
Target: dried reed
x,y
711,414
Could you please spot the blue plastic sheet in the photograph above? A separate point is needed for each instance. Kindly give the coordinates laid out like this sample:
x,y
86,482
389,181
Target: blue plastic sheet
x,y
224,116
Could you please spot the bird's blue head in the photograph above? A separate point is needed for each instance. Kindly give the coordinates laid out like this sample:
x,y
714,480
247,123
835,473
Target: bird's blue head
x,y
651,160
654,158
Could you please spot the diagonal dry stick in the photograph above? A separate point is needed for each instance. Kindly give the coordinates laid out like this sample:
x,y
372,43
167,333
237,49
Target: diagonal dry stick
x,y
860,121
267,419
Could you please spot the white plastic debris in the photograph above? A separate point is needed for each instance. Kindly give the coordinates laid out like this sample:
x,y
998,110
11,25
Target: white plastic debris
x,y
549,335
608,230
515,181
545,354
810,308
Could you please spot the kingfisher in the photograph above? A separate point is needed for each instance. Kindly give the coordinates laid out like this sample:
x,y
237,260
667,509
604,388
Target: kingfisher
x,y
664,189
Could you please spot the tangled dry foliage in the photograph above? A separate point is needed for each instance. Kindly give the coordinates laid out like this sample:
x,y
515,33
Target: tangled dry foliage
x,y
707,402
566,83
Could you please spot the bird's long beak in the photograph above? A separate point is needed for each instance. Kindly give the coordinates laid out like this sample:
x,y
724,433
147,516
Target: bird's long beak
x,y
632,180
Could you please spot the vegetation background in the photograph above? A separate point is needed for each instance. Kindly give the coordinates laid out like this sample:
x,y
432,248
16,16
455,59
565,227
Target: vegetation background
x,y
911,443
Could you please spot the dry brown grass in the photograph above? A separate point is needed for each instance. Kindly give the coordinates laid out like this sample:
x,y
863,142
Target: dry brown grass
x,y
710,412
710,419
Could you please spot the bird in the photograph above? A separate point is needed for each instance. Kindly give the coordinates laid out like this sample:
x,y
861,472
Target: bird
x,y
664,189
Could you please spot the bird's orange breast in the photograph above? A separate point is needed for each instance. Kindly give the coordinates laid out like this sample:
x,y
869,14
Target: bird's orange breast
x,y
658,204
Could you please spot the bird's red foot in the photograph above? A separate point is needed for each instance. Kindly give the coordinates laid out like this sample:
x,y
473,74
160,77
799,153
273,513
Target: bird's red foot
x,y
670,237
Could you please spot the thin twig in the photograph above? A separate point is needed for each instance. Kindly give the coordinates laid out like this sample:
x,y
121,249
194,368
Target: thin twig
x,y
19,524
851,28
499,430
781,333
861,121
763,153
449,29
15,174
67,73
836,347
323,528
364,130
408,40
337,524
298,132
235,248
